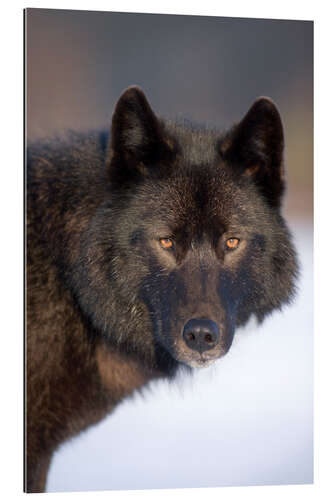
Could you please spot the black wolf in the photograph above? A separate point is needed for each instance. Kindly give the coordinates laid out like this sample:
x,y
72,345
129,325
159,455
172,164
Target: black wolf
x,y
145,252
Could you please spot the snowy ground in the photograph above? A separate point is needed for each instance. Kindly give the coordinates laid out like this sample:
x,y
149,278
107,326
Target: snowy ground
x,y
247,420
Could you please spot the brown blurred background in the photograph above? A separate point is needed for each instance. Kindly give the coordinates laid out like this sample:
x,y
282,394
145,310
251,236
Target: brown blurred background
x,y
204,68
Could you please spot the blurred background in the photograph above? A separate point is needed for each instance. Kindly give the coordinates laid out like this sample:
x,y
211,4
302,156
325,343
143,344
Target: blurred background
x,y
248,419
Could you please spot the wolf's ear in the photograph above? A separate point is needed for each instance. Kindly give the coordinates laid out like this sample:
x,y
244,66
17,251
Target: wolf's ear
x,y
138,138
254,148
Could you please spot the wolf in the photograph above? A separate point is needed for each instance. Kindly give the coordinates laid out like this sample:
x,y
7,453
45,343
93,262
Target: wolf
x,y
146,249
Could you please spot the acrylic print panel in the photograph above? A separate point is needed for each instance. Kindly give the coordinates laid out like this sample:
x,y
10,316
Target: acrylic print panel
x,y
169,335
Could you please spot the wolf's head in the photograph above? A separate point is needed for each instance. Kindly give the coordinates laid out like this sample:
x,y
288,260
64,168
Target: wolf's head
x,y
196,241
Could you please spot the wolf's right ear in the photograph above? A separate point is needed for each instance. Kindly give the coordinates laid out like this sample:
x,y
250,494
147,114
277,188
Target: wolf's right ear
x,y
138,139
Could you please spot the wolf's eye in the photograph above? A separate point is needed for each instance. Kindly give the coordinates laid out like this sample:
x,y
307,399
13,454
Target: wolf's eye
x,y
232,243
166,243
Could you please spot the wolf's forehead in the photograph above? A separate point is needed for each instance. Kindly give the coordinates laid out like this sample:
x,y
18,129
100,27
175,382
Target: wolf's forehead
x,y
198,144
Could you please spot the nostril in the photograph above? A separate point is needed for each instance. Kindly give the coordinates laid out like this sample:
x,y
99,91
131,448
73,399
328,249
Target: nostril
x,y
209,338
189,336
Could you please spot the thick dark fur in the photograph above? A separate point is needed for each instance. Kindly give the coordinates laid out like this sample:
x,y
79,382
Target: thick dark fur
x,y
106,304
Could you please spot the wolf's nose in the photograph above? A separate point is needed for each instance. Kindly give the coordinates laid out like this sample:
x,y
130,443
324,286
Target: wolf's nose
x,y
201,334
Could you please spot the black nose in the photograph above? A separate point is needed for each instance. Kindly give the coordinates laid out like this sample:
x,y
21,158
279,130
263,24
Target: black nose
x,y
201,334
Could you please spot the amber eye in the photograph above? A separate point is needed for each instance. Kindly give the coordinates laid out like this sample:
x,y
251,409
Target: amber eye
x,y
166,243
232,243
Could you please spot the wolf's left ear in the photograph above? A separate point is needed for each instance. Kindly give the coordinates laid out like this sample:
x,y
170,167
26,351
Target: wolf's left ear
x,y
255,146
138,138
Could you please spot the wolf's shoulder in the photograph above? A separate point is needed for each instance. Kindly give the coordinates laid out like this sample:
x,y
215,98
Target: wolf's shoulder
x,y
68,152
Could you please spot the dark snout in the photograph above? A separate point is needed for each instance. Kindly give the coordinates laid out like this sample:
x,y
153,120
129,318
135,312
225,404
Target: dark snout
x,y
201,334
